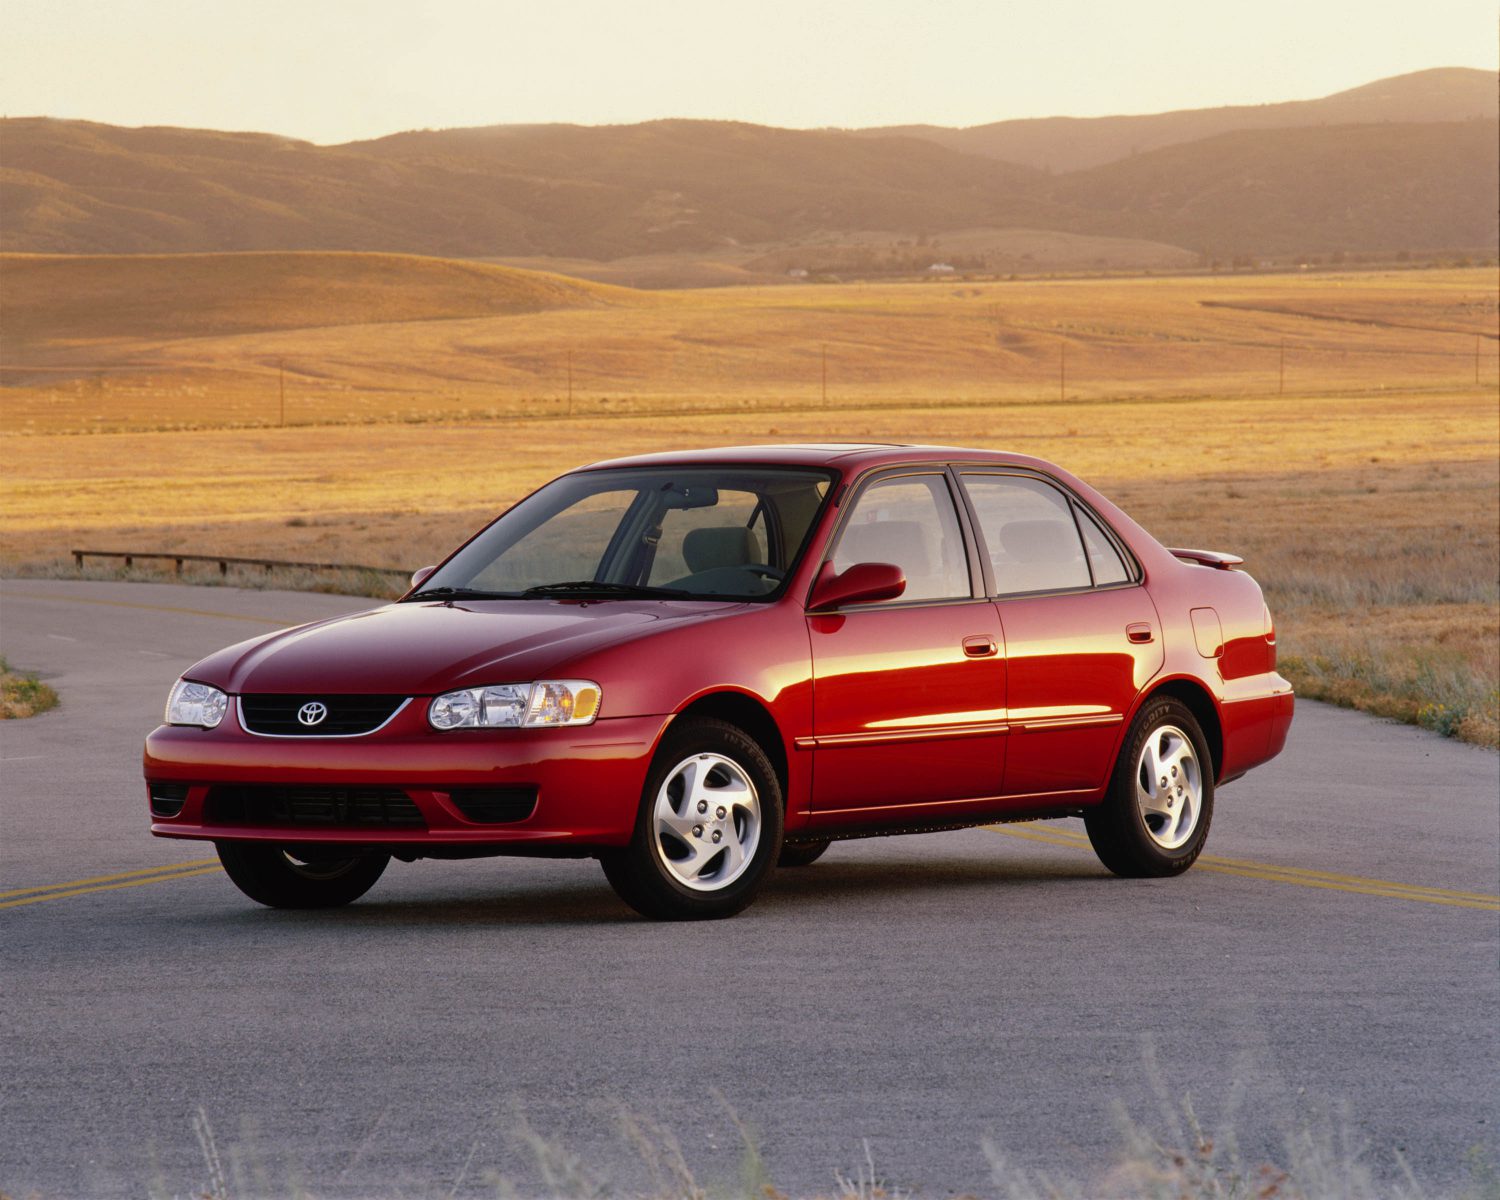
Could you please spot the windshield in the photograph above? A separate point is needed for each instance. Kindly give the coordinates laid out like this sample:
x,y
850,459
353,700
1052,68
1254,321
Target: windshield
x,y
731,533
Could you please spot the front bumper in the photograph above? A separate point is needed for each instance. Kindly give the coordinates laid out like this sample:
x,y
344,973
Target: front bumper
x,y
588,781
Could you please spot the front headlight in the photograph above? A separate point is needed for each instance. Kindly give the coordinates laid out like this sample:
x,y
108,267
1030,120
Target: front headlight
x,y
196,704
512,705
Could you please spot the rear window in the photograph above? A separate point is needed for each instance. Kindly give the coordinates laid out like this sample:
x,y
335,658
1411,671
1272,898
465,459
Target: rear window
x,y
1029,534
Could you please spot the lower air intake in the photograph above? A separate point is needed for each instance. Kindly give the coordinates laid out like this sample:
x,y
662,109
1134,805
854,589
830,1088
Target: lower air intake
x,y
167,799
308,806
495,806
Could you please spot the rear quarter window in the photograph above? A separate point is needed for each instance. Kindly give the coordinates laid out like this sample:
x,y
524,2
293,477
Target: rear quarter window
x,y
1105,560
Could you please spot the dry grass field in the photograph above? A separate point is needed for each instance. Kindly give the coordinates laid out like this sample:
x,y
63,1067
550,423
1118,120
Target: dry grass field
x,y
1367,501
202,341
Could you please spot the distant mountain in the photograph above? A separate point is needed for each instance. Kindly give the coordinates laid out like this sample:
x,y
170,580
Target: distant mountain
x,y
597,192
1061,144
1275,191
543,192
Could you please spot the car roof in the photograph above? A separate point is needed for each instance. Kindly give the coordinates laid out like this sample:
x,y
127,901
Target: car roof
x,y
852,457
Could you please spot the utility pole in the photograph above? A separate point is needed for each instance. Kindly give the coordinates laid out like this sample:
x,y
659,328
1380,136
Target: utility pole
x,y
281,380
1062,370
570,383
1281,371
1476,360
825,374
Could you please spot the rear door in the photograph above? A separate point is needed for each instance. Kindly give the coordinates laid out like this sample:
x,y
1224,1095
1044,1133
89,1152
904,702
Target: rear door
x,y
1081,634
908,695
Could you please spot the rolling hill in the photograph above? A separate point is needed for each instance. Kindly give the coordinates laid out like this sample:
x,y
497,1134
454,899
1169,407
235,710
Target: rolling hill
x,y
63,300
1391,177
1074,143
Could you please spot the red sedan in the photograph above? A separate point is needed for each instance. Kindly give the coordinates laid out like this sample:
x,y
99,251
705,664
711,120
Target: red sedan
x,y
694,667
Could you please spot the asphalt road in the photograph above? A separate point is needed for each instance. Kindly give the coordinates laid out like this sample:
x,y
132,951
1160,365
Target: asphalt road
x,y
917,994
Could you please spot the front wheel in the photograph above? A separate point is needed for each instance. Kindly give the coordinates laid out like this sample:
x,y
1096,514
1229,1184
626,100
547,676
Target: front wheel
x,y
291,877
708,829
1155,817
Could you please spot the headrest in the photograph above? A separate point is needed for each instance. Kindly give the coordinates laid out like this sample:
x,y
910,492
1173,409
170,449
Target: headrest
x,y
1045,541
718,546
900,542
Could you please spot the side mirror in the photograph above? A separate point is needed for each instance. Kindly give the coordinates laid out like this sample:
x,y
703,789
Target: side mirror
x,y
863,583
420,575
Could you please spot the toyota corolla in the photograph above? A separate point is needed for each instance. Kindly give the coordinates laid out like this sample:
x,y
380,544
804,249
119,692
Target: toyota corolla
x,y
696,667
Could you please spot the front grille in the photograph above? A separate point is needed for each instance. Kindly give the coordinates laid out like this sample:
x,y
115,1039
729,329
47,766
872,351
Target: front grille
x,y
325,807
495,806
167,799
346,715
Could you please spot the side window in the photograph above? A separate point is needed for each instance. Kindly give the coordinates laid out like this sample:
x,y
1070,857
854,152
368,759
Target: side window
x,y
909,520
1108,566
1029,532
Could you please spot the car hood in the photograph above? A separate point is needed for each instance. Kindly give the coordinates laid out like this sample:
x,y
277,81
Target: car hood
x,y
423,649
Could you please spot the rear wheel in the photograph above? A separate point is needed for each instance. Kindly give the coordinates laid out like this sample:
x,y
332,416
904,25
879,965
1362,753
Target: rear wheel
x,y
1155,817
299,877
708,829
801,854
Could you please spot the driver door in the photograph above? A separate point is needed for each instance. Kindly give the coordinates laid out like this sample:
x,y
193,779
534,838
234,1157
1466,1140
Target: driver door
x,y
908,694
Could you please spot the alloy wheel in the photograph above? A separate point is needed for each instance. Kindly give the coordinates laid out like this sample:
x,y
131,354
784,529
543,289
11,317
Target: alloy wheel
x,y
1169,787
706,822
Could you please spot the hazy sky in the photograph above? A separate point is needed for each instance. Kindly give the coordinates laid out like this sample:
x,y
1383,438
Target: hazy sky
x,y
336,70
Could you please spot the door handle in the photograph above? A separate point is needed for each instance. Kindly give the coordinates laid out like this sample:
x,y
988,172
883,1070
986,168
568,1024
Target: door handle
x,y
1140,632
980,646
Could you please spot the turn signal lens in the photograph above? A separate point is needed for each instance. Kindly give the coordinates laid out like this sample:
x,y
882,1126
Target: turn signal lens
x,y
585,704
196,704
563,702
509,705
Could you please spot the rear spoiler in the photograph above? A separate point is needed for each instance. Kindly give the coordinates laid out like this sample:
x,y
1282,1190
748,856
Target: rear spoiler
x,y
1208,558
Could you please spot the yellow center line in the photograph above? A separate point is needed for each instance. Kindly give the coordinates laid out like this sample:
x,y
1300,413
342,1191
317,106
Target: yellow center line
x,y
1301,876
109,887
1065,837
166,608
1372,888
82,883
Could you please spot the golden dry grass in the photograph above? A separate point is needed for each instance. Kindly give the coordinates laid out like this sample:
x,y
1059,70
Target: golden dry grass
x,y
1371,516
729,349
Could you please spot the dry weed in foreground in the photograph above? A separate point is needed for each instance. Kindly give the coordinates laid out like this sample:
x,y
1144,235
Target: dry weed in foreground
x,y
22,694
1177,1158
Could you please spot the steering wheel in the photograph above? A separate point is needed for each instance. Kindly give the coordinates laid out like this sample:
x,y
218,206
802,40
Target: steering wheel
x,y
772,573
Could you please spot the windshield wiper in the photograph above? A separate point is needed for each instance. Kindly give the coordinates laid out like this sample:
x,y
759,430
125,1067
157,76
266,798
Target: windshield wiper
x,y
599,587
453,593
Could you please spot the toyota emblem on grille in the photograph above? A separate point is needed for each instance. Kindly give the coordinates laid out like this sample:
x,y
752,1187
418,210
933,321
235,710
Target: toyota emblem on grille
x,y
312,713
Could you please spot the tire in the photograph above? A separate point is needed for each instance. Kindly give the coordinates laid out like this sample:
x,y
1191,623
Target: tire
x,y
670,870
280,877
801,854
1150,828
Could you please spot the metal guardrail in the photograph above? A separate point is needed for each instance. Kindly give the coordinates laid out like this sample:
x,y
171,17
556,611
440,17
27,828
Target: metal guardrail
x,y
225,561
